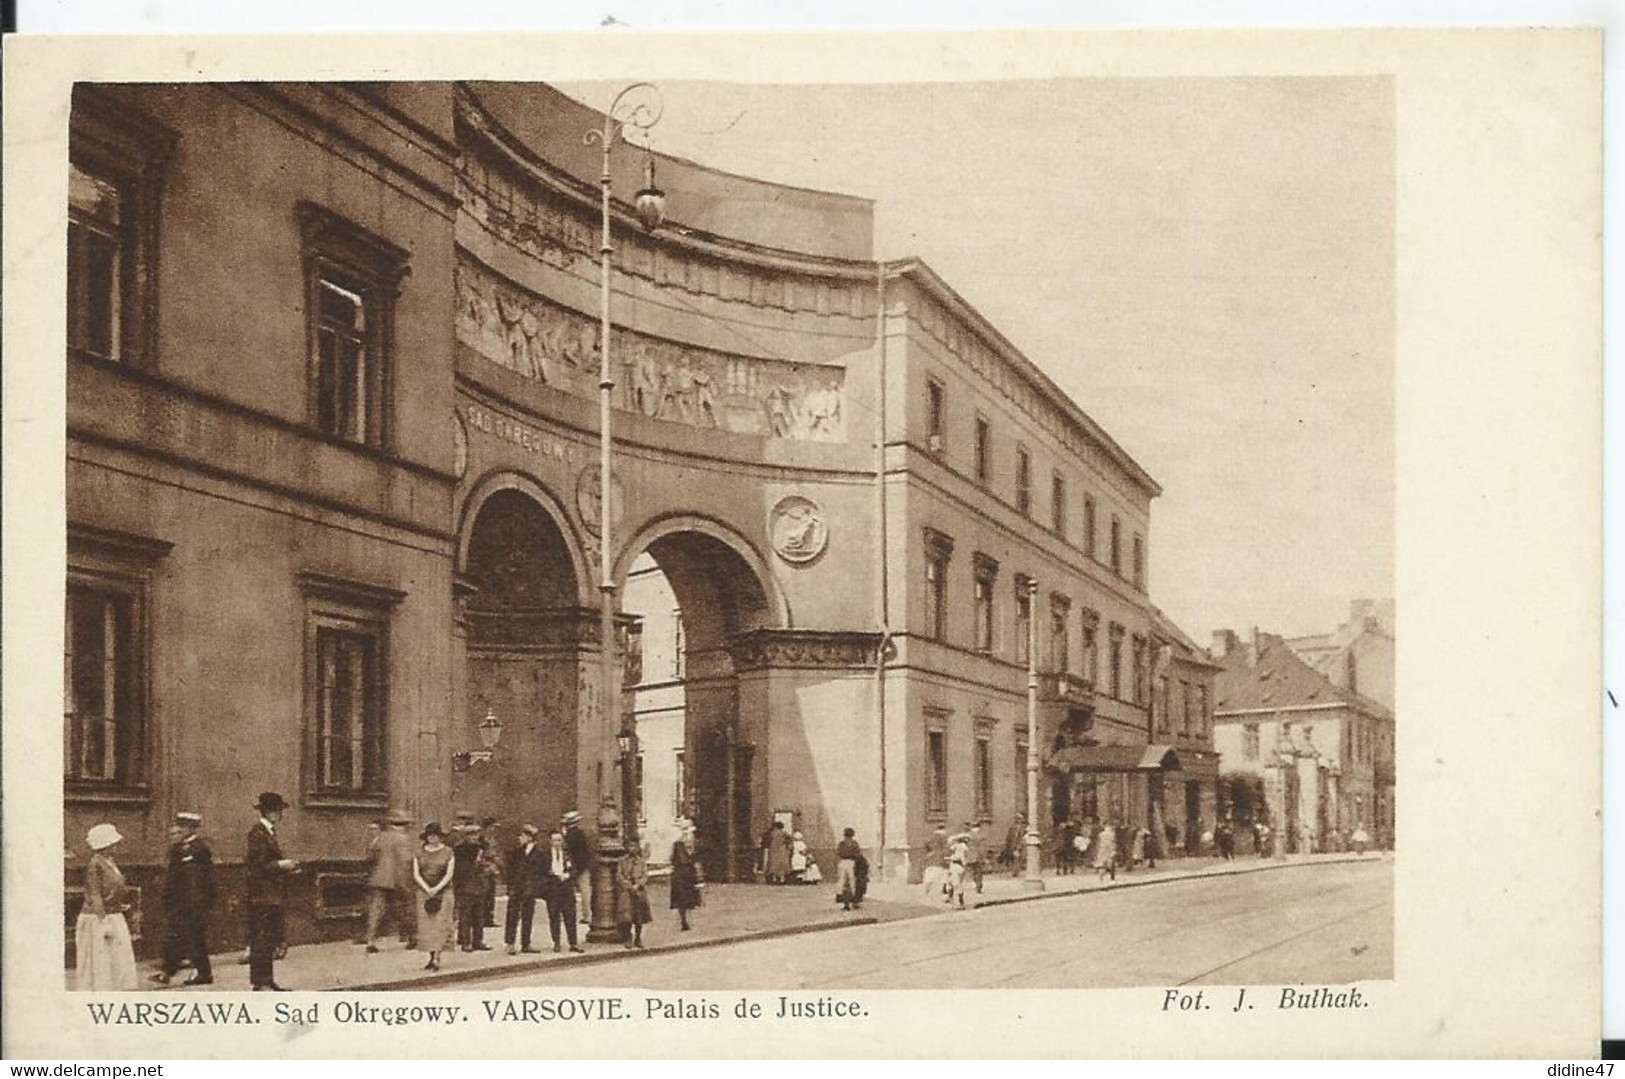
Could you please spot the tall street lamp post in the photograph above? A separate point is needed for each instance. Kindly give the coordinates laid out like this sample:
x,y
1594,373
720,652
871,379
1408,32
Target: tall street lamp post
x,y
1031,880
638,106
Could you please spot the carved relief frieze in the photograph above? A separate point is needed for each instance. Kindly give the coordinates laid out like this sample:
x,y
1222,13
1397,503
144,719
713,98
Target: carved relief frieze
x,y
804,649
545,342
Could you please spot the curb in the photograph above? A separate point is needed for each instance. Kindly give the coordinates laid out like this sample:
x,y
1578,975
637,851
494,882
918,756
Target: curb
x,y
1147,883
450,977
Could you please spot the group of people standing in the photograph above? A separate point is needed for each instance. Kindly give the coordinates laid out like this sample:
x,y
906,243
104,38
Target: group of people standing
x,y
439,893
783,857
1105,847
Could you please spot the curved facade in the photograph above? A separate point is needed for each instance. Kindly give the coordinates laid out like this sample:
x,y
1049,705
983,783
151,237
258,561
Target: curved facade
x,y
352,418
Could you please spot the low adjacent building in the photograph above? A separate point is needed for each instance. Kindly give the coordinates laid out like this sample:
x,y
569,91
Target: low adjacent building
x,y
1324,751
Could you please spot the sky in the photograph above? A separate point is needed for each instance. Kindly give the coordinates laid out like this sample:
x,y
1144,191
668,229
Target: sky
x,y
1206,266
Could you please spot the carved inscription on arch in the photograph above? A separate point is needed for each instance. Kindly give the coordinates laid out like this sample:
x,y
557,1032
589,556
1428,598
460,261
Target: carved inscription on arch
x,y
663,380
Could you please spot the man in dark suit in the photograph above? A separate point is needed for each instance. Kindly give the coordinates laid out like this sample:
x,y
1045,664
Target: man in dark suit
x,y
267,874
188,898
524,873
558,875
579,848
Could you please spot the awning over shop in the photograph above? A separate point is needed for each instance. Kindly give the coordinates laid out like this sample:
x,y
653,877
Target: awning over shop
x,y
1114,759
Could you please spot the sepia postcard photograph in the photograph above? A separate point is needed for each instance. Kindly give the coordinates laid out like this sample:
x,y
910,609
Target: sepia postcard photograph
x,y
579,545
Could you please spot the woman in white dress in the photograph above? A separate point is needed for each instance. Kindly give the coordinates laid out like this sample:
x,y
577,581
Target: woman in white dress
x,y
102,936
798,859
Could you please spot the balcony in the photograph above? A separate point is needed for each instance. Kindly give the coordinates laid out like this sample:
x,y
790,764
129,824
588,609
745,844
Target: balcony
x,y
1059,687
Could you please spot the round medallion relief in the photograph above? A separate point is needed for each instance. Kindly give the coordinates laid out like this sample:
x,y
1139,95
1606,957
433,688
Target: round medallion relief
x,y
589,499
797,528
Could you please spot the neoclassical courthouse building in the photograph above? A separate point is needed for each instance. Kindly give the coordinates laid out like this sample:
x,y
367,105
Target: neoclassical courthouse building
x,y
332,501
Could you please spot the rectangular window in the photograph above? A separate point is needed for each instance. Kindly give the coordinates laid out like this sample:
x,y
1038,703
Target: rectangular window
x,y
984,778
116,161
938,550
98,251
1185,708
1091,651
987,572
1024,622
103,701
936,595
349,710
1060,638
1115,662
1089,526
1163,720
632,655
1204,721
352,279
679,792
1021,766
1024,483
104,661
679,646
1117,547
1249,741
1139,563
935,416
936,764
984,450
638,804
1139,669
343,362
347,714
1057,497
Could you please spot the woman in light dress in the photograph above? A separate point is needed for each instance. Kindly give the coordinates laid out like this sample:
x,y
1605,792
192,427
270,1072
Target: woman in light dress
x,y
102,936
1105,861
431,871
958,851
798,858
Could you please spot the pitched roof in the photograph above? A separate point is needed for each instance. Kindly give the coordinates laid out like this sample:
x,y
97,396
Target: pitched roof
x,y
1166,628
1277,678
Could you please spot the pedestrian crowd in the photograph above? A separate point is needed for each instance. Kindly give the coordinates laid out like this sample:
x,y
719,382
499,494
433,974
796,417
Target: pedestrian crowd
x,y
436,895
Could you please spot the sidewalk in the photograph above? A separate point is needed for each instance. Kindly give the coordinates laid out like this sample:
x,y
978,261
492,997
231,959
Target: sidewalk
x,y
732,912
1001,887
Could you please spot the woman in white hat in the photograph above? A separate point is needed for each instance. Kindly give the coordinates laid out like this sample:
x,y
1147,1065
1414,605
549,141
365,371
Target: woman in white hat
x,y
102,936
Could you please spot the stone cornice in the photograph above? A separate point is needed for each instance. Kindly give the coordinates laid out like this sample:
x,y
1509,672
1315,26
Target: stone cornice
x,y
966,333
480,131
549,628
804,649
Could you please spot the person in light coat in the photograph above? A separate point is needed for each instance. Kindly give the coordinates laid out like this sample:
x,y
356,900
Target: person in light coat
x,y
106,958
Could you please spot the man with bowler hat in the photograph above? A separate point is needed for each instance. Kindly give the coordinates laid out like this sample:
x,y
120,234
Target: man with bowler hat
x,y
468,884
268,870
524,873
188,898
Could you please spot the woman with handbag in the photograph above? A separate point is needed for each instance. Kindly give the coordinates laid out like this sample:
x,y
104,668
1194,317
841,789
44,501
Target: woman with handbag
x,y
102,936
685,874
431,871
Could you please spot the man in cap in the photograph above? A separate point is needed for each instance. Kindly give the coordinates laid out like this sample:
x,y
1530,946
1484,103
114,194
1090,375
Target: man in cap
x,y
188,898
268,870
579,848
391,862
524,873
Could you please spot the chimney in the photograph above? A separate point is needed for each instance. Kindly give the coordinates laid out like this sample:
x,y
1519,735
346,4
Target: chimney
x,y
1224,642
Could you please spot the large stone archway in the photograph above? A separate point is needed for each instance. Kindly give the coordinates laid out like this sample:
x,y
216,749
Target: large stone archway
x,y
721,593
531,655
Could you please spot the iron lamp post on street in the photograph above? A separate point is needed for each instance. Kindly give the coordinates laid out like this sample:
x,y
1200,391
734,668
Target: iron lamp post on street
x,y
1031,879
649,206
